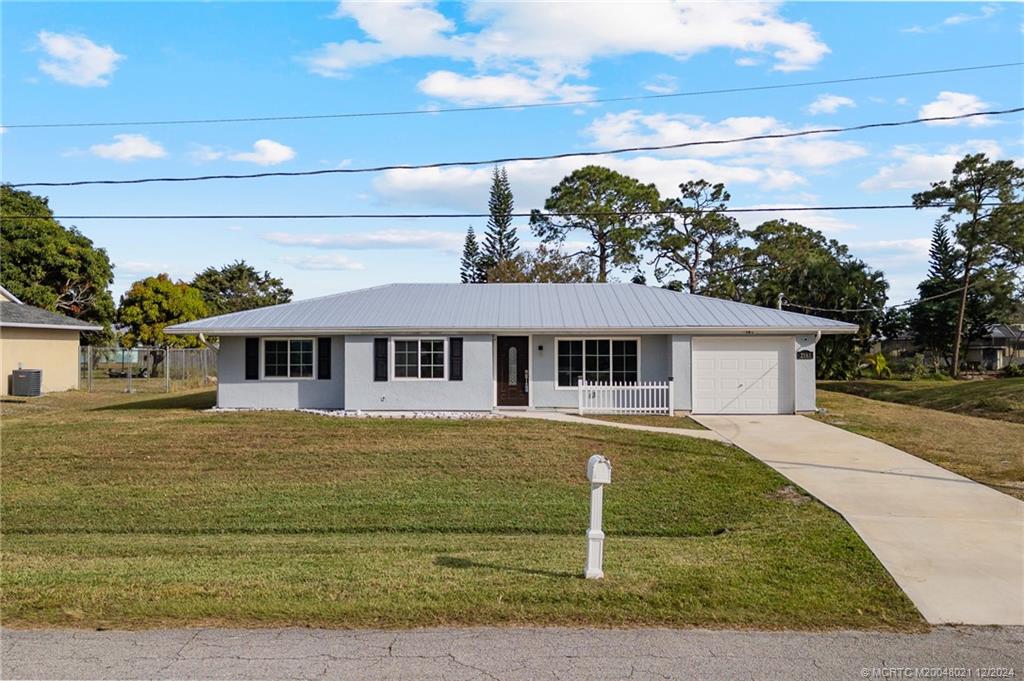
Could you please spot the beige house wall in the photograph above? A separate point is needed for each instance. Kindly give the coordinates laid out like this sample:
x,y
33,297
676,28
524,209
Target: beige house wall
x,y
55,351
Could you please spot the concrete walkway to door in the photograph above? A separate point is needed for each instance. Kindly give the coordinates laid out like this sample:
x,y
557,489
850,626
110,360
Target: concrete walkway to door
x,y
955,546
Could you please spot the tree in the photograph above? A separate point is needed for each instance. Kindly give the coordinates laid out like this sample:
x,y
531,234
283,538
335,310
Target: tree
x,y
698,240
239,286
933,322
154,303
983,205
607,207
51,266
545,265
471,267
815,276
500,240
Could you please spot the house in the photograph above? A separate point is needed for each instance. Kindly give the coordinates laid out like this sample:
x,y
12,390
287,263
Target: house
x,y
485,346
33,338
1001,346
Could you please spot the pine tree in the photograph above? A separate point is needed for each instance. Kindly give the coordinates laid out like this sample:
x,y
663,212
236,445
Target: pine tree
x,y
933,322
471,269
500,240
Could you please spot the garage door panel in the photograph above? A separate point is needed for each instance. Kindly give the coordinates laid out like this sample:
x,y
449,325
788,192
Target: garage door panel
x,y
743,375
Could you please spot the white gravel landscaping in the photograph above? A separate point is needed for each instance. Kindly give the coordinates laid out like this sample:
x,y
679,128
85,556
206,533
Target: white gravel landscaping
x,y
360,414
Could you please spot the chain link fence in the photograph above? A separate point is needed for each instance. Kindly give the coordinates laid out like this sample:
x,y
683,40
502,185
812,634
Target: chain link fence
x,y
145,369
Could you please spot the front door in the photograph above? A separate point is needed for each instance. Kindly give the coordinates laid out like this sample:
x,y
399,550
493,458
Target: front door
x,y
513,371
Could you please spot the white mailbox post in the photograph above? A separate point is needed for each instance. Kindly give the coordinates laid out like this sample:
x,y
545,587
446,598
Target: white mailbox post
x,y
599,473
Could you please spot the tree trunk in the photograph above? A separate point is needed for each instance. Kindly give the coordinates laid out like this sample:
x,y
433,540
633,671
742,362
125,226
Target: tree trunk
x,y
602,262
960,317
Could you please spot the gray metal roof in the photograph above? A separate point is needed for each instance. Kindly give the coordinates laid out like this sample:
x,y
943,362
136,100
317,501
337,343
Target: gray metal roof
x,y
507,307
19,314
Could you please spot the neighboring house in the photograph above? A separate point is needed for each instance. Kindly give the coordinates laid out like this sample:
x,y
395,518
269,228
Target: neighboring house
x,y
485,346
1001,346
33,338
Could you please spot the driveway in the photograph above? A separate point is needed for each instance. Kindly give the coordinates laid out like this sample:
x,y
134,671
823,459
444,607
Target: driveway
x,y
512,653
955,546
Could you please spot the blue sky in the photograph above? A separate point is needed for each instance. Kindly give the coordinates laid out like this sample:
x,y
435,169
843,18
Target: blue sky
x,y
143,61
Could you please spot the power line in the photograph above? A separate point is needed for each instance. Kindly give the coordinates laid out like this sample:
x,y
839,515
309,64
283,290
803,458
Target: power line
x,y
511,159
429,216
906,303
501,107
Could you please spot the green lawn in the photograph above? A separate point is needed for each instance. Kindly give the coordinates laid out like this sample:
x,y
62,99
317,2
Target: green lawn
x,y
1001,399
684,422
133,511
989,451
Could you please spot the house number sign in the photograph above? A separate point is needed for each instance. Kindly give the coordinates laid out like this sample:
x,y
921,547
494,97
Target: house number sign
x,y
804,354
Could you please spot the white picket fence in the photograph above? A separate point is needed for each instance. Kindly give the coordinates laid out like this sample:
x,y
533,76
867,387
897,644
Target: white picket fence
x,y
645,397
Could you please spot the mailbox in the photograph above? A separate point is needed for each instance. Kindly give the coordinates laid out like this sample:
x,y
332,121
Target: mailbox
x,y
599,470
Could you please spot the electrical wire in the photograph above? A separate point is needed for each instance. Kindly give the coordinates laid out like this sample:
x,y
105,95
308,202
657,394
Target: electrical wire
x,y
907,303
501,107
512,159
430,216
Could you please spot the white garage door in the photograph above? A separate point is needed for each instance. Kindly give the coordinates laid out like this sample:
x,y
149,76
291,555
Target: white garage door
x,y
743,375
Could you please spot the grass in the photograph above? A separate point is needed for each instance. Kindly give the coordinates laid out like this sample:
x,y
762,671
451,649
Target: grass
x,y
1000,399
135,511
684,422
991,452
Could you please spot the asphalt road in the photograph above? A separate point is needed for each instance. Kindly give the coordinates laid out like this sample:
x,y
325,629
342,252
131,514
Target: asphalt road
x,y
487,653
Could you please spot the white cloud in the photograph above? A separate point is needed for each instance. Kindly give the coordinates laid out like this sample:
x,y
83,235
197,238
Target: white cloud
x,y
987,11
129,148
956,19
508,88
387,239
955,104
202,153
747,61
829,104
825,222
915,169
138,267
662,84
76,60
633,128
466,188
556,41
902,101
265,153
323,261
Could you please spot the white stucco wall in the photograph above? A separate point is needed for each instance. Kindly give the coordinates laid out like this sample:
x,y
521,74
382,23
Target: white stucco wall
x,y
806,398
234,392
475,392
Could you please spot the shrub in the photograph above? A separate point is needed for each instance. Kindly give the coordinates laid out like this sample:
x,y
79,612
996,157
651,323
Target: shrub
x,y
1013,371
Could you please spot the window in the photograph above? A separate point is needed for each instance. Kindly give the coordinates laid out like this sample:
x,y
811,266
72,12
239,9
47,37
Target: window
x,y
597,360
419,358
288,358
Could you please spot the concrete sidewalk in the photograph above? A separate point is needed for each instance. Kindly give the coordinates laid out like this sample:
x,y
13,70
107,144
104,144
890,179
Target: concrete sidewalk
x,y
956,547
490,653
564,417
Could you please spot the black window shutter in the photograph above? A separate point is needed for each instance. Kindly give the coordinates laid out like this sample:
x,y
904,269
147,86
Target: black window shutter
x,y
323,358
252,359
455,359
380,359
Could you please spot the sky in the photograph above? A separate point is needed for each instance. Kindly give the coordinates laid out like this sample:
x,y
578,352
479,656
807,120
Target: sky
x,y
87,62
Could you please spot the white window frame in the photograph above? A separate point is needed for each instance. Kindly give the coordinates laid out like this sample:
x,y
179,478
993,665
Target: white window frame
x,y
559,339
289,339
419,354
